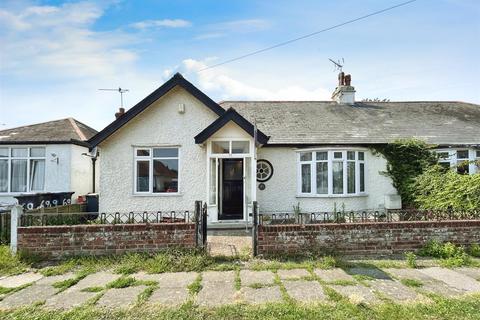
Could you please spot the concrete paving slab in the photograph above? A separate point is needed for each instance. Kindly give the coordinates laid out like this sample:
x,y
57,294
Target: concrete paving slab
x,y
99,279
453,279
331,275
69,299
27,296
218,276
216,294
395,291
408,274
357,294
370,272
120,298
293,274
429,284
169,296
261,295
169,279
305,291
20,280
249,277
470,272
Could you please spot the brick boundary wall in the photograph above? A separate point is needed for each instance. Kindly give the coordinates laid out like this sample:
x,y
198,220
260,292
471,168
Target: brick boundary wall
x,y
364,238
55,242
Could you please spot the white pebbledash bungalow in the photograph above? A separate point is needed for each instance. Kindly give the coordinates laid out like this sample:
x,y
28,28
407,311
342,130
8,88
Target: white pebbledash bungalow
x,y
177,145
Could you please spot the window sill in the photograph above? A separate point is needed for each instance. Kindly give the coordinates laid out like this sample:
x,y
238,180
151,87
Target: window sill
x,y
332,195
157,195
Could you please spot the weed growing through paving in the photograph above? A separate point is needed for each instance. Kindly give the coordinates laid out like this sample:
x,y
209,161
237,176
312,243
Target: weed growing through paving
x,y
238,280
122,282
65,284
342,283
4,290
450,255
195,287
411,283
92,289
146,294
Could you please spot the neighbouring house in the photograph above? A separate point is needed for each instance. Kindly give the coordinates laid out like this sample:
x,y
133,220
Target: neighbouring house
x,y
177,145
49,157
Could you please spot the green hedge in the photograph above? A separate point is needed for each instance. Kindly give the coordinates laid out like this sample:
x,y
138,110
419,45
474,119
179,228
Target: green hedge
x,y
440,189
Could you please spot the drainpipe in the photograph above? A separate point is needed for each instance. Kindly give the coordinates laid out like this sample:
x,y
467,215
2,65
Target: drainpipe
x,y
93,174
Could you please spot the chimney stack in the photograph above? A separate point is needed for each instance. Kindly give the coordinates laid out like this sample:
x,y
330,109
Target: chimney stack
x,y
120,113
344,93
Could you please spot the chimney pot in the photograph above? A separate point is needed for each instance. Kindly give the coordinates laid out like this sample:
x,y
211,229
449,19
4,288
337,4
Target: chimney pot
x,y
120,112
344,93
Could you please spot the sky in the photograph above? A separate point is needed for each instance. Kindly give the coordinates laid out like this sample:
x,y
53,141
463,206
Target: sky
x,y
55,55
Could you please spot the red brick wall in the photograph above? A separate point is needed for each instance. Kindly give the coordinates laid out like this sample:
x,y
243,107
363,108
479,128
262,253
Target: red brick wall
x,y
55,242
363,238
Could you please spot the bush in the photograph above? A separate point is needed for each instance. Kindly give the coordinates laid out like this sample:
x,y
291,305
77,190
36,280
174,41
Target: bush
x,y
447,190
411,259
450,255
474,250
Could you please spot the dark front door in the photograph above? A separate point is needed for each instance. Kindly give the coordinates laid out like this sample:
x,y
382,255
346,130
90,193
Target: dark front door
x,y
232,189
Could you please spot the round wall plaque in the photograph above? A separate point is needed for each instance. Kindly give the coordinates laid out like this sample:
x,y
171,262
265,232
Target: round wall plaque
x,y
261,186
264,170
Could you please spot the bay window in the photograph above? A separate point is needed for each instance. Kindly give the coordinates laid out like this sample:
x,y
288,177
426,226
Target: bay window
x,y
156,170
22,169
331,172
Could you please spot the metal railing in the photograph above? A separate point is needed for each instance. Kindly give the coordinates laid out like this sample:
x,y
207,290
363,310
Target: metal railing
x,y
366,216
80,218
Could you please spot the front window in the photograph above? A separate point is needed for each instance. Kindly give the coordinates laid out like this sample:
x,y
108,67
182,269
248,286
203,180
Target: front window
x,y
156,170
22,169
326,172
464,161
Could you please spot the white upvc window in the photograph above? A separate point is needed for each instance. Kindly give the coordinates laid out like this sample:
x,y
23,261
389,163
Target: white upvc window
x,y
156,170
22,169
331,172
461,159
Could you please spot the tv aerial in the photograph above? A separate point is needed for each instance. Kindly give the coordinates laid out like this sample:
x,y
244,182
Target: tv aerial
x,y
338,65
119,90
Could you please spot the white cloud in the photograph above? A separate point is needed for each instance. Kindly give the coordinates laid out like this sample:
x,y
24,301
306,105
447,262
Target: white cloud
x,y
217,82
223,29
166,23
58,41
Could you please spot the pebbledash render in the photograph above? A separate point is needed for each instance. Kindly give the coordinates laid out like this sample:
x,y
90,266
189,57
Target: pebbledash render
x,y
177,145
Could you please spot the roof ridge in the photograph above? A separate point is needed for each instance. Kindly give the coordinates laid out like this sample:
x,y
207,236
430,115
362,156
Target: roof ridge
x,y
330,101
34,124
77,129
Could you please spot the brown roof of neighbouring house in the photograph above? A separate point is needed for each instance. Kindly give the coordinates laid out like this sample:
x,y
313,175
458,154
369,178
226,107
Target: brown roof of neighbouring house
x,y
66,130
326,122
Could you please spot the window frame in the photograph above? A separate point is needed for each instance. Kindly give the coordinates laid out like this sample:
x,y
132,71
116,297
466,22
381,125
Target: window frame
x,y
453,160
150,158
330,160
28,158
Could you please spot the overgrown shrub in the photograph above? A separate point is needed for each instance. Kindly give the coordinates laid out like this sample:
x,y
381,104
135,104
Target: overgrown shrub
x,y
450,254
474,250
439,189
406,159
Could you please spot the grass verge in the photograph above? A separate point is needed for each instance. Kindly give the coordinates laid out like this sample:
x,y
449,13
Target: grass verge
x,y
464,308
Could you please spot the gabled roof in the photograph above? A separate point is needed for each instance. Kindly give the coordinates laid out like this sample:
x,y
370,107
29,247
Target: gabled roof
x,y
326,122
176,80
230,115
61,131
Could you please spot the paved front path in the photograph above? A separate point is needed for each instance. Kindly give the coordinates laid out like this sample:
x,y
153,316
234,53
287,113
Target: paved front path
x,y
359,285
